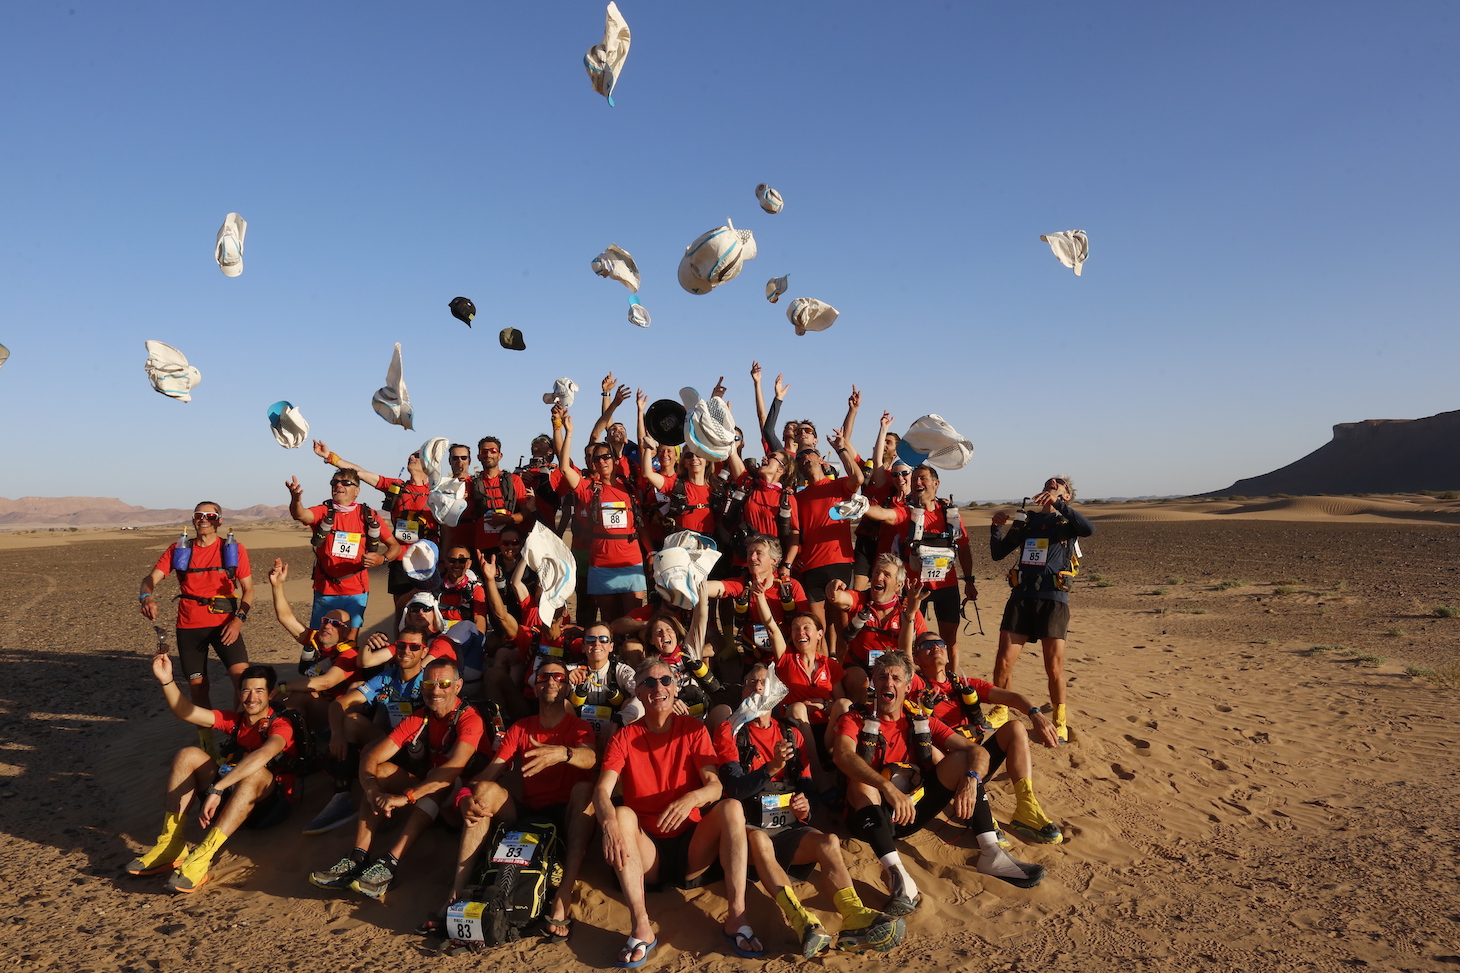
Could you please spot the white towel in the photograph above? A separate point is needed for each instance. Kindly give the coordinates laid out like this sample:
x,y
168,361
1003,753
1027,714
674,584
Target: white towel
x,y
391,400
715,257
228,248
809,314
546,554
616,263
604,62
681,565
933,440
1071,247
169,371
287,425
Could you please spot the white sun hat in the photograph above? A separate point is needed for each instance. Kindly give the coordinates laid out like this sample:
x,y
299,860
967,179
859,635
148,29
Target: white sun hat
x,y
228,249
420,561
447,500
556,570
709,428
1071,248
287,425
682,565
637,314
604,62
438,622
562,394
616,263
433,458
770,200
169,371
715,257
852,508
809,314
391,400
775,287
932,440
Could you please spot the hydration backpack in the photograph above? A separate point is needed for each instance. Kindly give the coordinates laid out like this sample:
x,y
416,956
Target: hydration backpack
x,y
516,878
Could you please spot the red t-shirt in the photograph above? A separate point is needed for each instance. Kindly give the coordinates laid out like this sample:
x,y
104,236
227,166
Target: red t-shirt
x,y
411,520
823,540
934,522
880,634
763,741
657,769
701,520
469,729
485,533
205,578
339,563
463,599
894,749
763,505
946,704
610,526
441,647
555,784
735,587
250,739
802,686
342,655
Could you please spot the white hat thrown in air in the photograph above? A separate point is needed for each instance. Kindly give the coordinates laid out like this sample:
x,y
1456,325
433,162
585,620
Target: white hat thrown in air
x,y
420,560
709,429
637,313
169,371
433,458
615,263
809,314
852,508
447,500
391,400
562,394
775,287
682,565
546,554
933,441
228,250
287,425
605,61
770,200
1071,248
715,257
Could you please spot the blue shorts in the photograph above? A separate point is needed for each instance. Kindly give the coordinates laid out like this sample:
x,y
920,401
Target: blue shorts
x,y
616,581
354,605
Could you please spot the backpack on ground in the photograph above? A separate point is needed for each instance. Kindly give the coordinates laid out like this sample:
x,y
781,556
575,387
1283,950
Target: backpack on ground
x,y
519,872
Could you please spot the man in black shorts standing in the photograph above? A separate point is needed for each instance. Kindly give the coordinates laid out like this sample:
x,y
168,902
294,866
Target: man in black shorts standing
x,y
216,593
1039,605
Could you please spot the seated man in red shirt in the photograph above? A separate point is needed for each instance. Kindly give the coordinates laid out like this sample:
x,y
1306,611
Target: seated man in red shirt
x,y
875,620
668,767
255,789
410,768
556,755
902,768
328,662
766,766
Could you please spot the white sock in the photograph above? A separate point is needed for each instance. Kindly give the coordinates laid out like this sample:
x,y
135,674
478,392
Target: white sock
x,y
988,840
999,863
899,876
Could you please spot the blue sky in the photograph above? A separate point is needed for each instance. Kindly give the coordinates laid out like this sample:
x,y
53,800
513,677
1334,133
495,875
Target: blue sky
x,y
1268,189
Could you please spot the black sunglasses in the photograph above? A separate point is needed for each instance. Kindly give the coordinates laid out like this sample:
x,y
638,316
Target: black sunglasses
x,y
658,680
929,643
599,640
416,606
458,560
335,483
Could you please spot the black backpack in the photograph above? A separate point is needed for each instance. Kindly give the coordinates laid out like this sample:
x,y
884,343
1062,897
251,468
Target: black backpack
x,y
515,879
300,763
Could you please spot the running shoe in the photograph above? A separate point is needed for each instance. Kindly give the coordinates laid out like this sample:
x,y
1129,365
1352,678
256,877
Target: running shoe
x,y
881,935
998,863
339,875
1050,834
374,880
340,810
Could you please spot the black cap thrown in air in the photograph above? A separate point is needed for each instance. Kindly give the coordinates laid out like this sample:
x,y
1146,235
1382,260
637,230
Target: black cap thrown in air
x,y
664,420
463,309
511,339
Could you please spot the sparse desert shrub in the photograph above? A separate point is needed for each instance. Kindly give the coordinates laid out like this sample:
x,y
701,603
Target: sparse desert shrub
x,y
1284,589
1396,632
1447,611
1285,581
1448,495
1319,649
1105,583
1229,584
1446,675
1158,591
1097,577
1369,661
1175,580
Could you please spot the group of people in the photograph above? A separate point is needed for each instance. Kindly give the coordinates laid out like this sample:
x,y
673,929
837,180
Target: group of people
x,y
814,671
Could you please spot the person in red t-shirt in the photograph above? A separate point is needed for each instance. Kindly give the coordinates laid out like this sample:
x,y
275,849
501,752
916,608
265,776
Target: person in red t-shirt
x,y
765,507
344,532
411,769
761,598
328,662
935,687
876,619
405,504
903,767
686,496
210,612
814,687
668,767
492,501
461,596
826,544
555,752
884,484
256,791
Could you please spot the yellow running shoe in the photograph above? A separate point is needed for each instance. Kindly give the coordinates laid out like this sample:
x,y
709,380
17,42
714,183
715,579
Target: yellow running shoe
x,y
997,716
193,873
164,856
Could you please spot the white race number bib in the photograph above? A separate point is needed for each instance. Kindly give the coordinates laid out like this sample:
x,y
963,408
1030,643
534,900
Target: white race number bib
x,y
407,531
464,921
775,812
1035,553
346,546
515,848
935,563
615,514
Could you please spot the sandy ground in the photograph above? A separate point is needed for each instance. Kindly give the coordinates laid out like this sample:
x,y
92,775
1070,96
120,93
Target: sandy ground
x,y
1231,798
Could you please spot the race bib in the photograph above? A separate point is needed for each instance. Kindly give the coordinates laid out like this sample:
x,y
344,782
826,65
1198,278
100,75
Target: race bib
x,y
488,527
760,636
407,531
319,668
935,563
596,716
515,848
615,515
873,655
775,812
346,546
398,709
464,921
1036,552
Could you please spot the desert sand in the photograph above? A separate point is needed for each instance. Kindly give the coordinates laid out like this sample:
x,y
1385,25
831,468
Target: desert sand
x,y
1231,798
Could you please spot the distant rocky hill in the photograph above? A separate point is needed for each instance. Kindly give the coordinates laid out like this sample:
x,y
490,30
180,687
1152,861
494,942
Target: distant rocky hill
x,y
1373,456
110,512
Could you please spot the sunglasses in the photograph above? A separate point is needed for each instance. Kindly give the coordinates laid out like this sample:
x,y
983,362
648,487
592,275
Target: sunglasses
x,y
805,453
457,560
430,684
509,543
416,606
460,459
340,483
929,643
903,474
411,646
546,677
602,458
211,518
598,640
658,681
333,621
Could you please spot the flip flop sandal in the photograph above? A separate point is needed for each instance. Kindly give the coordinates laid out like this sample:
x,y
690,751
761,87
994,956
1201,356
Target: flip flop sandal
x,y
552,937
742,935
633,946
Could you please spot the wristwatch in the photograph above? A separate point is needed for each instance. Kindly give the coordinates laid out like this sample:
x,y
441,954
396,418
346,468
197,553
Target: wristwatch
x,y
1033,711
241,615
570,753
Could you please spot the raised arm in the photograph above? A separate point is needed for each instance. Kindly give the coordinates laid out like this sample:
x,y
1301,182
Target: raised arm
x,y
646,447
566,467
277,576
182,707
610,405
854,402
838,439
297,509
333,459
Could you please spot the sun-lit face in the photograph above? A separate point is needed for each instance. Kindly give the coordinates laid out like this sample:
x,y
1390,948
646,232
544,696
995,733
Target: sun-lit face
x,y
754,682
206,519
253,697
490,456
891,685
332,628
597,644
758,556
550,682
931,655
883,582
413,463
343,491
805,637
924,482
658,689
440,688
454,565
662,638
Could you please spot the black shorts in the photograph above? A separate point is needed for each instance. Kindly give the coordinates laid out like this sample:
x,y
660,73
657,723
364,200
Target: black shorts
x,y
815,580
935,799
272,810
556,813
1036,618
786,841
192,650
946,603
864,555
397,581
674,863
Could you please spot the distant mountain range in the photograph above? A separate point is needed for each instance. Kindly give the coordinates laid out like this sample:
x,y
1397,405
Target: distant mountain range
x,y
1373,456
110,512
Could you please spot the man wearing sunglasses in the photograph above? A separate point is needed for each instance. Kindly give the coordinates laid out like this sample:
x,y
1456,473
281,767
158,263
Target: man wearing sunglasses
x,y
555,752
411,770
1047,539
210,610
344,533
660,835
601,686
327,660
495,499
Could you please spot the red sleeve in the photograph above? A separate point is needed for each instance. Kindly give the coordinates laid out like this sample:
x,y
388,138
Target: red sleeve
x,y
442,648
224,721
725,749
920,624
981,687
703,749
803,604
795,513
735,587
470,728
583,735
282,729
857,602
616,754
164,563
849,725
901,514
941,733
478,600
347,660
406,729
802,753
318,513
511,742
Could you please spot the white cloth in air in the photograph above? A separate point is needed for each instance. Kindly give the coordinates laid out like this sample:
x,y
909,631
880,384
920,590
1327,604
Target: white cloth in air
x,y
616,263
169,371
775,287
638,315
770,200
556,570
709,428
715,257
682,565
391,400
932,440
605,62
287,425
562,394
1071,247
809,314
228,248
